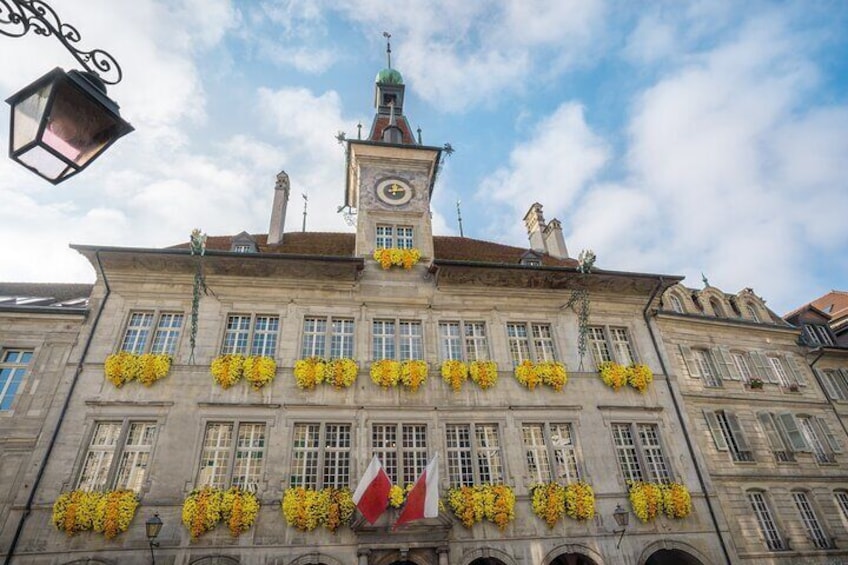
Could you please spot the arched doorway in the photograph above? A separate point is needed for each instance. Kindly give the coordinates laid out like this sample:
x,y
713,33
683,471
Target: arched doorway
x,y
487,561
672,557
573,559
215,560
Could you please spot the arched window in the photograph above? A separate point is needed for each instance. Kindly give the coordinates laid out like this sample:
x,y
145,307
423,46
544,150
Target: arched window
x,y
752,312
765,520
676,304
815,531
717,309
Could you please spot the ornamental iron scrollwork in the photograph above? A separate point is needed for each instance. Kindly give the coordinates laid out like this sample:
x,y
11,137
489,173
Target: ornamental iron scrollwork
x,y
19,17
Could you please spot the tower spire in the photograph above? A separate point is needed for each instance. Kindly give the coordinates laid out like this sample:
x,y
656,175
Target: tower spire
x,y
388,37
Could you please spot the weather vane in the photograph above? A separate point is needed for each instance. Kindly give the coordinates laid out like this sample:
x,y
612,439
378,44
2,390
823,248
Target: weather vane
x,y
388,37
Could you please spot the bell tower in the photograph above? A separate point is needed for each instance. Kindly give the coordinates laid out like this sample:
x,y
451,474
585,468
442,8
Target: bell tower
x,y
391,175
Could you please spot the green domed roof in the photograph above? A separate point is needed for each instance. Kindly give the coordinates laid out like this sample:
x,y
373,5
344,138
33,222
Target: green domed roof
x,y
389,76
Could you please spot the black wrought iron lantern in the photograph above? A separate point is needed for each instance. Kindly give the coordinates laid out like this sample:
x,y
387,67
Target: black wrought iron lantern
x,y
62,122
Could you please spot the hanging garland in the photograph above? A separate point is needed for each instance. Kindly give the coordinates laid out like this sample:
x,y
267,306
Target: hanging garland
x,y
198,247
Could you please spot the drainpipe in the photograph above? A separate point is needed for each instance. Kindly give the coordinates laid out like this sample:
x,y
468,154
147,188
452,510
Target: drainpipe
x,y
62,414
679,414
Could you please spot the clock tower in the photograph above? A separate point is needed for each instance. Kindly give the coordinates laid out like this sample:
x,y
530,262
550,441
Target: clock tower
x,y
390,176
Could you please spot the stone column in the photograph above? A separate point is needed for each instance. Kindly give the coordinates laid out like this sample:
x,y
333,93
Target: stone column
x,y
443,553
363,555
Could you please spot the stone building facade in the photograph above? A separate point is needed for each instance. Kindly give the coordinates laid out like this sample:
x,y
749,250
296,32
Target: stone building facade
x,y
770,441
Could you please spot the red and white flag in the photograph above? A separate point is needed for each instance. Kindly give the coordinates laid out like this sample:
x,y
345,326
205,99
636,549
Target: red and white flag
x,y
423,499
372,493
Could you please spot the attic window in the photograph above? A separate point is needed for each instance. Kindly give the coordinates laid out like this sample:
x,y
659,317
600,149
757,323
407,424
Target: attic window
x,y
243,248
817,334
531,261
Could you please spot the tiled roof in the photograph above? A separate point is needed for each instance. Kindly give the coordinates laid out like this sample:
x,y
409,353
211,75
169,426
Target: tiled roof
x,y
43,294
834,303
342,245
381,122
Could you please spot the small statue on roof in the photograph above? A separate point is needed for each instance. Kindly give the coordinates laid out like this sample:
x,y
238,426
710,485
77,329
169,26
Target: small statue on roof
x,y
586,260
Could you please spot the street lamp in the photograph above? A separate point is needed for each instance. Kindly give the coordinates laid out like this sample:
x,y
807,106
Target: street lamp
x,y
622,518
152,527
63,121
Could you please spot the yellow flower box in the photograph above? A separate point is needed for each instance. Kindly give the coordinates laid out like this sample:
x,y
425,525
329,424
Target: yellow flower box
x,y
614,375
484,373
471,504
388,256
123,367
639,377
258,370
109,513
454,373
649,500
306,509
551,373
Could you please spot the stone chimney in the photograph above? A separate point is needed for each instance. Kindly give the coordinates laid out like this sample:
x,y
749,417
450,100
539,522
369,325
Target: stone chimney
x,y
278,209
554,241
535,222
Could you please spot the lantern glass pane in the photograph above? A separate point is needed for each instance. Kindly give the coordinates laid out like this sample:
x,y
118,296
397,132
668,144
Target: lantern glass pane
x,y
78,127
27,116
48,165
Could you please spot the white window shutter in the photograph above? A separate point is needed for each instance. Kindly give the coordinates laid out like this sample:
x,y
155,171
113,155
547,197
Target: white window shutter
x,y
796,370
760,364
727,367
689,360
832,440
792,432
715,429
772,435
738,434
827,384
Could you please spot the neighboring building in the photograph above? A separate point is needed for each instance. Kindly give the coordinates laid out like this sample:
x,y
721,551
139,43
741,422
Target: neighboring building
x,y
294,295
39,327
770,441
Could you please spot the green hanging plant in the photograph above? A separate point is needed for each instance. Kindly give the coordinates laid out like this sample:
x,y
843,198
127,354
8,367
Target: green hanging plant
x,y
198,248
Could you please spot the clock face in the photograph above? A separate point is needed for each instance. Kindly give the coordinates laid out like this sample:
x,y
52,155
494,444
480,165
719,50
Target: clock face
x,y
394,192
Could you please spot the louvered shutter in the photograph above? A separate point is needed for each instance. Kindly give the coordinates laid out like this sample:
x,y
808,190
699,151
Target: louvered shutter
x,y
828,384
727,367
832,440
759,362
792,432
715,429
774,438
689,360
796,370
738,434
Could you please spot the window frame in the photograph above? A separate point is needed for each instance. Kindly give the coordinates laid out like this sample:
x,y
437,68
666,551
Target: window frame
x,y
415,352
466,342
646,471
813,524
476,453
536,352
236,424
329,336
552,453
767,523
154,329
613,352
252,332
115,466
321,455
398,236
13,375
728,435
404,456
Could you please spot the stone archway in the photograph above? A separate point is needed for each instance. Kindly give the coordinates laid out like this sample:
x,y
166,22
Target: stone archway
x,y
672,557
88,561
215,560
573,554
315,559
487,556
573,559
487,561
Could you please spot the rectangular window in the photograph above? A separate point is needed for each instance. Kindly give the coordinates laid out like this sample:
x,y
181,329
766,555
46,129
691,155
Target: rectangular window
x,y
776,437
742,366
166,333
550,453
13,367
259,331
118,456
815,532
404,237
522,348
403,460
466,341
407,341
385,236
835,383
707,366
318,332
779,371
728,435
639,453
224,462
765,520
815,334
816,436
611,344
473,454
321,456
841,498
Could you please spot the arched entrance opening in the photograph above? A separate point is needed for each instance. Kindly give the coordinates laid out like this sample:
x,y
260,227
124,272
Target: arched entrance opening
x,y
672,557
573,559
487,561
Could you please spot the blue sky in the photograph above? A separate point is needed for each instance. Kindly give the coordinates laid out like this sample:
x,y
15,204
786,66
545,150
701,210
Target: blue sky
x,y
674,137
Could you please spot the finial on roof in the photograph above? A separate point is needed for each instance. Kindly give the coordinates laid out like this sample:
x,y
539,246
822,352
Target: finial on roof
x,y
705,280
388,37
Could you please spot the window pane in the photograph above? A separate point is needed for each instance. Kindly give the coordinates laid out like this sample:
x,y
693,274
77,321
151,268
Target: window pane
x,y
235,336
136,456
98,459
341,341
621,344
519,345
598,345
12,371
265,332
305,450
411,344
384,446
536,453
476,344
811,521
250,449
337,456
543,342
383,339
404,237
742,366
625,448
215,457
565,457
138,329
458,443
314,332
489,466
384,236
652,450
414,451
449,341
167,334
765,521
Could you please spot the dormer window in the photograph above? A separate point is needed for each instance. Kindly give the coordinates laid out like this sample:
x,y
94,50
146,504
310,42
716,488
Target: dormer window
x,y
531,259
242,249
718,311
243,243
675,303
752,312
817,334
